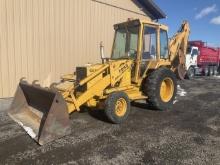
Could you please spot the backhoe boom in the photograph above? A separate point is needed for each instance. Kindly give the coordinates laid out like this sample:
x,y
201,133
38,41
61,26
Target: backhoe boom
x,y
178,46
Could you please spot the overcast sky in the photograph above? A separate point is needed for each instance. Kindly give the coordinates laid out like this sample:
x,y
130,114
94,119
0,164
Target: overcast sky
x,y
203,15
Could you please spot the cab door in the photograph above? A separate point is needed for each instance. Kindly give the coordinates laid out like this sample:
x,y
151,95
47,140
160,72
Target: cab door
x,y
149,47
164,52
194,56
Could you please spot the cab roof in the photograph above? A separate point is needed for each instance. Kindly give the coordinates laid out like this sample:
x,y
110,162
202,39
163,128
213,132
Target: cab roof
x,y
139,22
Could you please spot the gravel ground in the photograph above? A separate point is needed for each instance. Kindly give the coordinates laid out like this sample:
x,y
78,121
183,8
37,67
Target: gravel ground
x,y
4,103
187,134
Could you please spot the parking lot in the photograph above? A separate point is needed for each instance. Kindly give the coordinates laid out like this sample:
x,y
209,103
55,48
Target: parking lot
x,y
189,133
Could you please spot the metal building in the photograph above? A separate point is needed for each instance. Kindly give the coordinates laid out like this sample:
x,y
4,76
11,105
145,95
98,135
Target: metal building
x,y
43,39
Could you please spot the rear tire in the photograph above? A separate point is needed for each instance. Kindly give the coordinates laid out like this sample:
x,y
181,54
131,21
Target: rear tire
x,y
211,68
117,107
161,87
215,70
206,71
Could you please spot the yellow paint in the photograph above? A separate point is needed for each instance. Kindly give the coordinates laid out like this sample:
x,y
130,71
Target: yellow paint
x,y
94,73
166,90
135,93
117,89
120,70
139,54
91,103
120,107
178,44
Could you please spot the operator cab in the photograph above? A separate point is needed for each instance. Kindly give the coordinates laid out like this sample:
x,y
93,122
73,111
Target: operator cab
x,y
127,41
141,41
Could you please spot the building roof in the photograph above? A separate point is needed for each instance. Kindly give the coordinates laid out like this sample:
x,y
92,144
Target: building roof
x,y
152,9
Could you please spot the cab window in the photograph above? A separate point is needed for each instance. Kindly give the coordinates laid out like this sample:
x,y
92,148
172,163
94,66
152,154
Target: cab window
x,y
163,44
126,43
149,43
194,52
188,50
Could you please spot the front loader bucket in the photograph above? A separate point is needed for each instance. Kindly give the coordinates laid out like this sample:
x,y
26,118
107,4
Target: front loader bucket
x,y
41,112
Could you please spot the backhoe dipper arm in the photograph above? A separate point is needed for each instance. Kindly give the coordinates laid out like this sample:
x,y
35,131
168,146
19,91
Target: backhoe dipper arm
x,y
178,46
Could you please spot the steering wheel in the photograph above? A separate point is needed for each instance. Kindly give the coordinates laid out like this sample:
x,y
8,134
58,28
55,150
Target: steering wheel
x,y
132,53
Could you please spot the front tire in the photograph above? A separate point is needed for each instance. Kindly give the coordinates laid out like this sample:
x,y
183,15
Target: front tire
x,y
161,88
117,107
190,73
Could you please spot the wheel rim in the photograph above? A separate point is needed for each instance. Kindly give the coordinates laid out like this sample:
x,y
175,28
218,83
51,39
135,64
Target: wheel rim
x,y
120,107
166,89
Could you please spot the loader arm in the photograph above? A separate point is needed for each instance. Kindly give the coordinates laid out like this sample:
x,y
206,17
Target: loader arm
x,y
178,47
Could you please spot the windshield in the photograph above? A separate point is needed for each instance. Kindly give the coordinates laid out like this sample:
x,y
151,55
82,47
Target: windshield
x,y
194,52
126,42
188,50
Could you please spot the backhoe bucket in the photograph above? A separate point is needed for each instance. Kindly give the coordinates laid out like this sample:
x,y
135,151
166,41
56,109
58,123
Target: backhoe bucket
x,y
41,112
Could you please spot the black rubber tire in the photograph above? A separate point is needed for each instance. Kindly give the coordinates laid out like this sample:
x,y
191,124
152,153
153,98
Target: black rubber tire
x,y
152,88
211,68
206,71
110,104
215,70
190,73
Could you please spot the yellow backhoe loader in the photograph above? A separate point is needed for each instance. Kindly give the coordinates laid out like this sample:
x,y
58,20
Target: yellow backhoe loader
x,y
144,65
